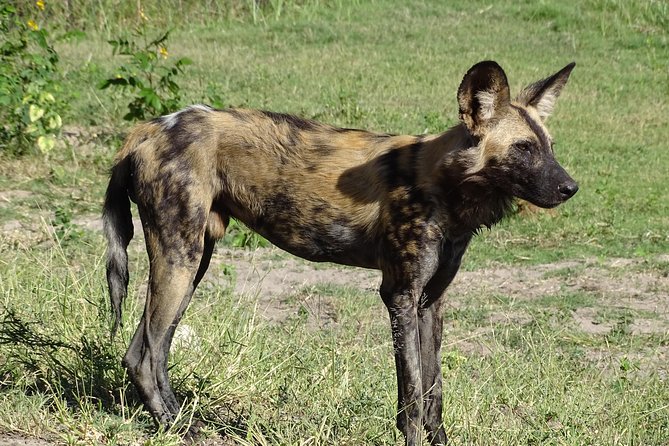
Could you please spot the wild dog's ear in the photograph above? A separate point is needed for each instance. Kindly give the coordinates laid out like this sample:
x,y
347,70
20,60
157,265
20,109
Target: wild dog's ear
x,y
542,94
483,91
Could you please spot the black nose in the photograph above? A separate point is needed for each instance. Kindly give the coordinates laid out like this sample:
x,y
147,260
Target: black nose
x,y
568,189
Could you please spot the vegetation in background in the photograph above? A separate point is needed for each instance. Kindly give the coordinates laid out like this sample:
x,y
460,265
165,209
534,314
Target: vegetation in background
x,y
239,236
30,99
148,76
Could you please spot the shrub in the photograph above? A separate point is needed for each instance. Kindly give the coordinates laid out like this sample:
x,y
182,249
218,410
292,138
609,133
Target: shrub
x,y
30,105
147,74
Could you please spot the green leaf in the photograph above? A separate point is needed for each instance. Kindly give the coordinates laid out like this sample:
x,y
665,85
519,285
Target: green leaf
x,y
155,103
35,112
46,143
147,92
135,82
112,81
40,38
159,40
47,97
143,60
55,122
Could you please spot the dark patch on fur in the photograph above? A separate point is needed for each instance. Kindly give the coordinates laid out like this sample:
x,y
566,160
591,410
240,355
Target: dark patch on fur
x,y
474,204
179,134
293,121
347,130
536,128
370,135
400,165
323,149
238,115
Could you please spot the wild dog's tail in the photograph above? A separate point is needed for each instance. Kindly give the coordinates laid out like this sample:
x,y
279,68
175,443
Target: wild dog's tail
x,y
117,224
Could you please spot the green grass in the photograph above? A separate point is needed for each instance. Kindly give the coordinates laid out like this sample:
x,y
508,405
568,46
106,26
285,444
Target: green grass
x,y
337,65
295,382
515,371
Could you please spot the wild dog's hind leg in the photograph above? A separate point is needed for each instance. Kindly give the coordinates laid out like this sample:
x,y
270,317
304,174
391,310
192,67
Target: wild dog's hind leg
x,y
162,370
177,251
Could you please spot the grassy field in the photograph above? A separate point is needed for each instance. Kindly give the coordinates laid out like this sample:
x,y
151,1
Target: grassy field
x,y
558,328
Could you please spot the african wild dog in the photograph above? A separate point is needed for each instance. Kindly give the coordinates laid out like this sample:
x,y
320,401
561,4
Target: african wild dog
x,y
406,205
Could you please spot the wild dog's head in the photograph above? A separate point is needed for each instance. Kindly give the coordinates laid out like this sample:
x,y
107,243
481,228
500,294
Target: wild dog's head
x,y
514,151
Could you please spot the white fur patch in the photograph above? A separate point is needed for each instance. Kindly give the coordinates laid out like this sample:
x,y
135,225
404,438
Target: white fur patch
x,y
487,102
170,120
545,105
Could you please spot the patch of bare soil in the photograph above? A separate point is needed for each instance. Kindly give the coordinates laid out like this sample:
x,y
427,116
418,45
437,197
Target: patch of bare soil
x,y
272,275
16,440
9,196
28,231
617,286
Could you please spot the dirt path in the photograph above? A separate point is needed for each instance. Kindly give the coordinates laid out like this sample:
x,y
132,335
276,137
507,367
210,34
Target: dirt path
x,y
17,440
616,283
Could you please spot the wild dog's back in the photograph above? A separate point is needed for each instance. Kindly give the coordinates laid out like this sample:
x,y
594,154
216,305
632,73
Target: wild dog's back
x,y
312,189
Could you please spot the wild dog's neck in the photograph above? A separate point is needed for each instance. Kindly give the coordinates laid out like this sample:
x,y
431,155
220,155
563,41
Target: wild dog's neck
x,y
470,200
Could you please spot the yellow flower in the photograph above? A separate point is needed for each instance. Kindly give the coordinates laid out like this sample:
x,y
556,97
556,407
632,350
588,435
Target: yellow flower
x,y
163,52
32,25
40,4
142,15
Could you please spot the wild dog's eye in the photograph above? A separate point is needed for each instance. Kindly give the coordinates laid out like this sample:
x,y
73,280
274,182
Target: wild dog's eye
x,y
525,147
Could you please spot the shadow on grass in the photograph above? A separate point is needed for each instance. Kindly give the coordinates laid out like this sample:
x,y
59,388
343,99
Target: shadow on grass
x,y
85,368
86,371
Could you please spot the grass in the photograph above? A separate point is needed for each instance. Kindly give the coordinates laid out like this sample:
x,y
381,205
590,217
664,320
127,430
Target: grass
x,y
336,65
532,379
517,371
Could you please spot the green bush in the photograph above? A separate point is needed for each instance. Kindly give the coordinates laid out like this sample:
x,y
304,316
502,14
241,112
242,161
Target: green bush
x,y
30,104
147,74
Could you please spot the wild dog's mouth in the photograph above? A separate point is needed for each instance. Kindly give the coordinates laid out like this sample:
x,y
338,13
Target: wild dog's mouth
x,y
563,192
547,187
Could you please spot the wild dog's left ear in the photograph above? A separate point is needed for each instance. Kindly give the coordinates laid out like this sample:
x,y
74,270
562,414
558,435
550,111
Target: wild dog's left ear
x,y
542,94
483,91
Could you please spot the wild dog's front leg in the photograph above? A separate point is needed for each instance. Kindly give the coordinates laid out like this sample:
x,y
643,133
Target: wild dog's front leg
x,y
430,327
411,259
402,307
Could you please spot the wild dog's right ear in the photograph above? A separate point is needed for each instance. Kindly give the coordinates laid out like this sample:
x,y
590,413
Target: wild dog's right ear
x,y
483,91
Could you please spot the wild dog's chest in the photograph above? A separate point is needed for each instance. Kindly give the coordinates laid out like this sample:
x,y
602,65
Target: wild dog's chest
x,y
411,228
